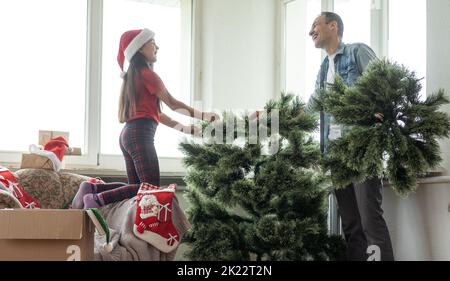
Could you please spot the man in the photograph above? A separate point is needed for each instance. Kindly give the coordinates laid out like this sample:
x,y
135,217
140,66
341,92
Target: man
x,y
359,205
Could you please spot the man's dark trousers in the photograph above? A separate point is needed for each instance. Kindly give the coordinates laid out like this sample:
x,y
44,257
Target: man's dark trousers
x,y
362,220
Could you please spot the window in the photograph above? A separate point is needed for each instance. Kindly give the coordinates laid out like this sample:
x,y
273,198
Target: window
x,y
302,59
393,28
408,36
164,18
356,15
43,70
377,23
60,66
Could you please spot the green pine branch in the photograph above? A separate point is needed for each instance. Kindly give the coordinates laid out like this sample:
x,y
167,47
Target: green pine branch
x,y
405,140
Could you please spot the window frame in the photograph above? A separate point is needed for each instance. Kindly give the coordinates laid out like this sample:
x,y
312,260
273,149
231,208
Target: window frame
x,y
91,158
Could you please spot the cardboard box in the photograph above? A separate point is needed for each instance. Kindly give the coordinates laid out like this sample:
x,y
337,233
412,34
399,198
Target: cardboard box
x,y
45,136
74,151
35,161
46,235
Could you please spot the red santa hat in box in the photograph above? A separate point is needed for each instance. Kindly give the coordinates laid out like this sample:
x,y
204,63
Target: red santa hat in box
x,y
130,43
54,150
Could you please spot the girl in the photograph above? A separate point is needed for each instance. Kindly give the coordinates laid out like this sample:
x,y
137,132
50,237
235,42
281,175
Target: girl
x,y
140,109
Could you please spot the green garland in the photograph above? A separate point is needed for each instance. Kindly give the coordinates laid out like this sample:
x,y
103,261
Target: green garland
x,y
403,145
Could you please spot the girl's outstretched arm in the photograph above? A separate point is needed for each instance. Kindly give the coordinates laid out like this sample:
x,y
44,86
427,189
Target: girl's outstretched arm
x,y
185,109
169,122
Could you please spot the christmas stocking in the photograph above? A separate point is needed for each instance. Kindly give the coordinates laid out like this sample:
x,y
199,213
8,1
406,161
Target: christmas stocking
x,y
10,185
154,219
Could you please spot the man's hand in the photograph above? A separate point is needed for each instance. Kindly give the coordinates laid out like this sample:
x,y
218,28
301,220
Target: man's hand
x,y
210,116
379,117
255,115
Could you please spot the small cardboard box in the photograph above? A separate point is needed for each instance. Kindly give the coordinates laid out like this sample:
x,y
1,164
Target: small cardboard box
x,y
75,151
45,136
35,161
46,235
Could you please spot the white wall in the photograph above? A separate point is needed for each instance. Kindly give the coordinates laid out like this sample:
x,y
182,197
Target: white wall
x,y
237,64
438,58
420,224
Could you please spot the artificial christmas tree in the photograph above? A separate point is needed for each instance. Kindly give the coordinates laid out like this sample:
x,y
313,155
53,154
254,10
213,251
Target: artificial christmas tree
x,y
250,205
400,143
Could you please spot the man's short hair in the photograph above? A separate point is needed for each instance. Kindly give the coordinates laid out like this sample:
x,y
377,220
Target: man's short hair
x,y
329,16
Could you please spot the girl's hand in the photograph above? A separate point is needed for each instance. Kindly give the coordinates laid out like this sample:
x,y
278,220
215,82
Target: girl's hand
x,y
191,130
210,116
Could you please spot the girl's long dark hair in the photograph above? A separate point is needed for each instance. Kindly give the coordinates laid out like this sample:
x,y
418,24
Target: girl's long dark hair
x,y
128,98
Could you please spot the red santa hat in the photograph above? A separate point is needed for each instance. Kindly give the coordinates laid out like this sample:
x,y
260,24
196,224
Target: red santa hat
x,y
54,149
130,42
57,146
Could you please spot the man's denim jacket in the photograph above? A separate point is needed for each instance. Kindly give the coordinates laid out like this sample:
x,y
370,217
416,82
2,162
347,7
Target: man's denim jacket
x,y
351,60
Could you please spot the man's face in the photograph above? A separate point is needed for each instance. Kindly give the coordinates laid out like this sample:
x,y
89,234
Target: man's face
x,y
322,32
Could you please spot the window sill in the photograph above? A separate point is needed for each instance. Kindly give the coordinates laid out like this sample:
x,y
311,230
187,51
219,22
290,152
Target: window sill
x,y
120,176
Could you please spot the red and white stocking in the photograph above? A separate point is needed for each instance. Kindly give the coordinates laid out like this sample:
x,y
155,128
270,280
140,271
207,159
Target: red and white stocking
x,y
153,221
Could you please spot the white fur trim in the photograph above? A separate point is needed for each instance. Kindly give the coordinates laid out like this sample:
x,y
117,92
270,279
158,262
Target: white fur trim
x,y
108,247
34,149
143,37
156,240
156,191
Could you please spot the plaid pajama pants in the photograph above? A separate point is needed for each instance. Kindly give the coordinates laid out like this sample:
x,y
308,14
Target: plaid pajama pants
x,y
137,145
